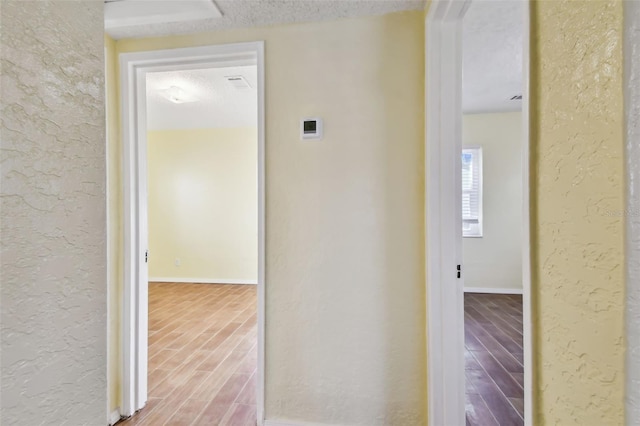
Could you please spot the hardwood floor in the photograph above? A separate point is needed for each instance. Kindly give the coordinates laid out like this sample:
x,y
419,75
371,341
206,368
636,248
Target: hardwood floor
x,y
493,359
202,355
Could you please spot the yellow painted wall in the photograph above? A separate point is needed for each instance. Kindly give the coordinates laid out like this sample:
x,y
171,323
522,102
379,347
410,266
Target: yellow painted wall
x,y
342,256
577,179
114,227
345,315
203,207
495,260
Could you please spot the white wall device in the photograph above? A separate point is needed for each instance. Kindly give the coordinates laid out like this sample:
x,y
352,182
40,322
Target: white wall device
x,y
311,128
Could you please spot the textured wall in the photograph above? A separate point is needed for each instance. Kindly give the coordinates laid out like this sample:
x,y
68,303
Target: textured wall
x,y
203,204
53,331
495,260
632,106
577,203
345,218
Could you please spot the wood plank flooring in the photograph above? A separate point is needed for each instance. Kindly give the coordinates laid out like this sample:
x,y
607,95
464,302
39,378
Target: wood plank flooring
x,y
493,359
202,355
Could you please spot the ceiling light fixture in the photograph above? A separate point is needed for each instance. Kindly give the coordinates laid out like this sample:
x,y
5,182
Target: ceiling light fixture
x,y
178,95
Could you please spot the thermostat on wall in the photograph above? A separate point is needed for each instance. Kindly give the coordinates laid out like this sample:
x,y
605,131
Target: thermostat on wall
x,y
311,128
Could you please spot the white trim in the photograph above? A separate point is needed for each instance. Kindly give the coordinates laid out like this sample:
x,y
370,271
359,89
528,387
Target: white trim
x,y
631,212
527,324
202,280
107,118
262,280
445,307
128,112
133,67
118,14
290,423
493,290
114,417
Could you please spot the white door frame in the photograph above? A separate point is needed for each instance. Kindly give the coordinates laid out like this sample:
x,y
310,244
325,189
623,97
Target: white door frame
x,y
445,296
133,68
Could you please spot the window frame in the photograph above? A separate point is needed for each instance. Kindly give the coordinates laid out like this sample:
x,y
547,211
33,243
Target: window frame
x,y
477,150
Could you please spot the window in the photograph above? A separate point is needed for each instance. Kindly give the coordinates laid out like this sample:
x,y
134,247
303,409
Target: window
x,y
472,192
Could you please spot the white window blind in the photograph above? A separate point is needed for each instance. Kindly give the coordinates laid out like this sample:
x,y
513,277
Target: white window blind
x,y
472,192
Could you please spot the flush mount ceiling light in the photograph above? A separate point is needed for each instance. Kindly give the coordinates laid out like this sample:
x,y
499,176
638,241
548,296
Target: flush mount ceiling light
x,y
178,95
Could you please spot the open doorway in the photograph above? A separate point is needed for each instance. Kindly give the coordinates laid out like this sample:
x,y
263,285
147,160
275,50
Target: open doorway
x,y
478,296
203,247
492,219
194,288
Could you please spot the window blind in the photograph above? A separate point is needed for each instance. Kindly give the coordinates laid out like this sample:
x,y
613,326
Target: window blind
x,y
471,192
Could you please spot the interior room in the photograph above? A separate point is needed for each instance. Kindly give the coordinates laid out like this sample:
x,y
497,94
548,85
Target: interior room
x,y
492,192
202,258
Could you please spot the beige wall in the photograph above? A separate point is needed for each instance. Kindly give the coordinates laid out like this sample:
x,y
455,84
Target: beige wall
x,y
114,226
577,166
495,260
368,281
53,230
203,207
345,260
359,268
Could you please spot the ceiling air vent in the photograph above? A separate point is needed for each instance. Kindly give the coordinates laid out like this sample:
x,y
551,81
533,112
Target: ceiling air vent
x,y
516,98
238,82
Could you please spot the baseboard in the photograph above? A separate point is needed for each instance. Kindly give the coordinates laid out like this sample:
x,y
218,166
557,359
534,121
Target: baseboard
x,y
200,280
290,423
114,417
493,290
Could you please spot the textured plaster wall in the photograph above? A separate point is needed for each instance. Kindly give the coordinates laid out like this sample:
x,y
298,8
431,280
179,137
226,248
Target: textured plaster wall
x,y
495,260
577,203
632,106
345,318
53,276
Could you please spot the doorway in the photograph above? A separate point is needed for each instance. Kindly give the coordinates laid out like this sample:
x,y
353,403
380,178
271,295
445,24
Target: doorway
x,y
194,294
449,271
492,217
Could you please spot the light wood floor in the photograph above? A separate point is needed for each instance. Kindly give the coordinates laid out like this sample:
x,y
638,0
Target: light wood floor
x,y
202,355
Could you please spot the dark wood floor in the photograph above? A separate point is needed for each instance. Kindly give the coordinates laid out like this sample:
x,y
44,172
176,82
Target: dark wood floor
x,y
493,359
202,355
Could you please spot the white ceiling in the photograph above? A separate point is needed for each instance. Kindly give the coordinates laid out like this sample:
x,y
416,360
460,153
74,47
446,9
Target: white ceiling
x,y
492,56
241,14
218,103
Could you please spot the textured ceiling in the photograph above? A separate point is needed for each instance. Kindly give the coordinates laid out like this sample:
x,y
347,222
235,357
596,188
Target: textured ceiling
x,y
255,13
218,104
492,55
492,41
